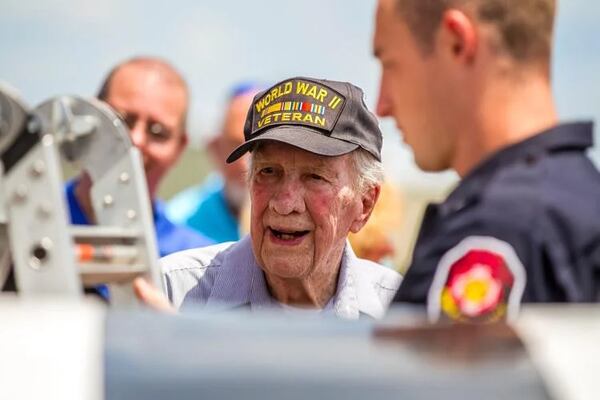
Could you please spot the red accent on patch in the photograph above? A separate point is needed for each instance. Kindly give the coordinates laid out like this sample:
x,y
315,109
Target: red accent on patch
x,y
478,284
306,107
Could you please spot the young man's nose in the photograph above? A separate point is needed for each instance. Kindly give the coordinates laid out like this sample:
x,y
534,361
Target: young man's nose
x,y
383,108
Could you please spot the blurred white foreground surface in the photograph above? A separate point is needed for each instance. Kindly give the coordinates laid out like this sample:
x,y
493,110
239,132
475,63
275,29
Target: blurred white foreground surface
x,y
51,349
564,343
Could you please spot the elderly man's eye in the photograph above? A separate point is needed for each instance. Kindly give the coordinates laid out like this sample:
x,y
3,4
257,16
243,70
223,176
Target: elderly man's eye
x,y
317,177
267,171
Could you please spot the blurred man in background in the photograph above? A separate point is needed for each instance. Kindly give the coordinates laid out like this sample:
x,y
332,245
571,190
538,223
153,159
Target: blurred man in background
x,y
152,97
214,208
468,83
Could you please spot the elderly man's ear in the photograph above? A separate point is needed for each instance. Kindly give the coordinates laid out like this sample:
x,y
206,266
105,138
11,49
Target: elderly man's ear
x,y
368,201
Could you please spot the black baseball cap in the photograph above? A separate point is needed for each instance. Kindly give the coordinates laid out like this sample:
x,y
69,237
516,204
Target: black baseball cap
x,y
324,117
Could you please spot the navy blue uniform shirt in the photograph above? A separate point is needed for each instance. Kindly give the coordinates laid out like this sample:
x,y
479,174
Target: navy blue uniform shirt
x,y
522,226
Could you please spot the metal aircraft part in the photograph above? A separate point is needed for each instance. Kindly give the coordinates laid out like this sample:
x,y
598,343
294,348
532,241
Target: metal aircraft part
x,y
51,256
37,224
13,116
273,356
91,134
14,119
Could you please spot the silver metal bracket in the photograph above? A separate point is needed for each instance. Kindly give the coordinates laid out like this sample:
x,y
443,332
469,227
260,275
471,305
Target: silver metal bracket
x,y
50,255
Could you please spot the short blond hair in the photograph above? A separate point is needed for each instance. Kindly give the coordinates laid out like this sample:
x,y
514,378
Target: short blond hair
x,y
524,27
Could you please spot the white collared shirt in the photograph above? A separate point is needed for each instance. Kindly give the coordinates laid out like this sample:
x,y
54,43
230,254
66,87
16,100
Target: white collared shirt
x,y
227,276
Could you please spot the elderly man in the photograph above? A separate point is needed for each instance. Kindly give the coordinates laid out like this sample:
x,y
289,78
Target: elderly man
x,y
152,98
468,82
214,208
314,177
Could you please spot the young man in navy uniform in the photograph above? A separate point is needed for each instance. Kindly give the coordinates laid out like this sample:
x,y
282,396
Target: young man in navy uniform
x,y
468,83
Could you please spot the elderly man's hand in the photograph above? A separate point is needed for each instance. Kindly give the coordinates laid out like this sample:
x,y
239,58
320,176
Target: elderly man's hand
x,y
152,297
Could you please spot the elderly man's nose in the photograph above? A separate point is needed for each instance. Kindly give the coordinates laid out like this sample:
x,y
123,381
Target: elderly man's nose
x,y
288,199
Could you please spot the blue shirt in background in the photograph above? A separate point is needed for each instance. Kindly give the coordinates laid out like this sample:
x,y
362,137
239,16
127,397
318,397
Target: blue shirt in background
x,y
204,209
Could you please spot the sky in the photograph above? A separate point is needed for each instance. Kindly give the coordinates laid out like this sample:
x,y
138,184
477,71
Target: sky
x,y
55,47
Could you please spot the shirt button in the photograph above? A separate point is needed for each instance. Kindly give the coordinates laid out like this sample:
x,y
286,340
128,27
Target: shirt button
x,y
530,159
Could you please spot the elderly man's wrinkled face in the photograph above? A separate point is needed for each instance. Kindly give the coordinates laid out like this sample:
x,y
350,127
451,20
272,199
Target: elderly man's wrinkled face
x,y
303,207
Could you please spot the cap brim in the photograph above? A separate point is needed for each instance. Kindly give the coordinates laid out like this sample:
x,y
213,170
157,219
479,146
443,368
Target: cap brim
x,y
302,137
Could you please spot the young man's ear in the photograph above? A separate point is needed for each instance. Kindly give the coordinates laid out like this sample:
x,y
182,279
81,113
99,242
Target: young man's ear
x,y
459,35
368,201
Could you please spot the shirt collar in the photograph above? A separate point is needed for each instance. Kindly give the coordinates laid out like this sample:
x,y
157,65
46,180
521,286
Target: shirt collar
x,y
571,136
356,294
159,213
247,286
